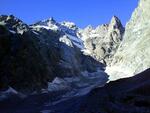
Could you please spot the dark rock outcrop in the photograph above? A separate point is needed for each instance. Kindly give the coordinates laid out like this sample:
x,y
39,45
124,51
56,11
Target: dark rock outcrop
x,y
21,65
31,56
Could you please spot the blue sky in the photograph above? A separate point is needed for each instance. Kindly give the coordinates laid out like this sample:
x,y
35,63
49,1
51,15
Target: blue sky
x,y
81,12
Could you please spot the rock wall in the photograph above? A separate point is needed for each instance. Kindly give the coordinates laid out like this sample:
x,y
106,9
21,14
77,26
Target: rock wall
x,y
133,54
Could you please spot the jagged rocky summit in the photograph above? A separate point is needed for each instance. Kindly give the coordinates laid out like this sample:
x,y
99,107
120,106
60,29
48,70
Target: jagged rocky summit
x,y
34,55
102,42
133,54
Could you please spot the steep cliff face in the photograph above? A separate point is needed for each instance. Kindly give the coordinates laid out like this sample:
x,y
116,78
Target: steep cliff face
x,y
21,64
133,54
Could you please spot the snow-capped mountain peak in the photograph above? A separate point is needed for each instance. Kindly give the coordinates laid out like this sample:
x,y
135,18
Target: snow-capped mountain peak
x,y
49,24
95,42
68,29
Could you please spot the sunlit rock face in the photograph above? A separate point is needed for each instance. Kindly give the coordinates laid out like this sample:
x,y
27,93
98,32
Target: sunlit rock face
x,y
102,42
133,54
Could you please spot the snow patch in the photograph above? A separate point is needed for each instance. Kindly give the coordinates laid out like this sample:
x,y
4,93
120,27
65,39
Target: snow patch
x,y
12,31
76,41
74,38
84,80
118,72
35,33
69,25
80,85
86,52
52,27
58,84
10,90
65,40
